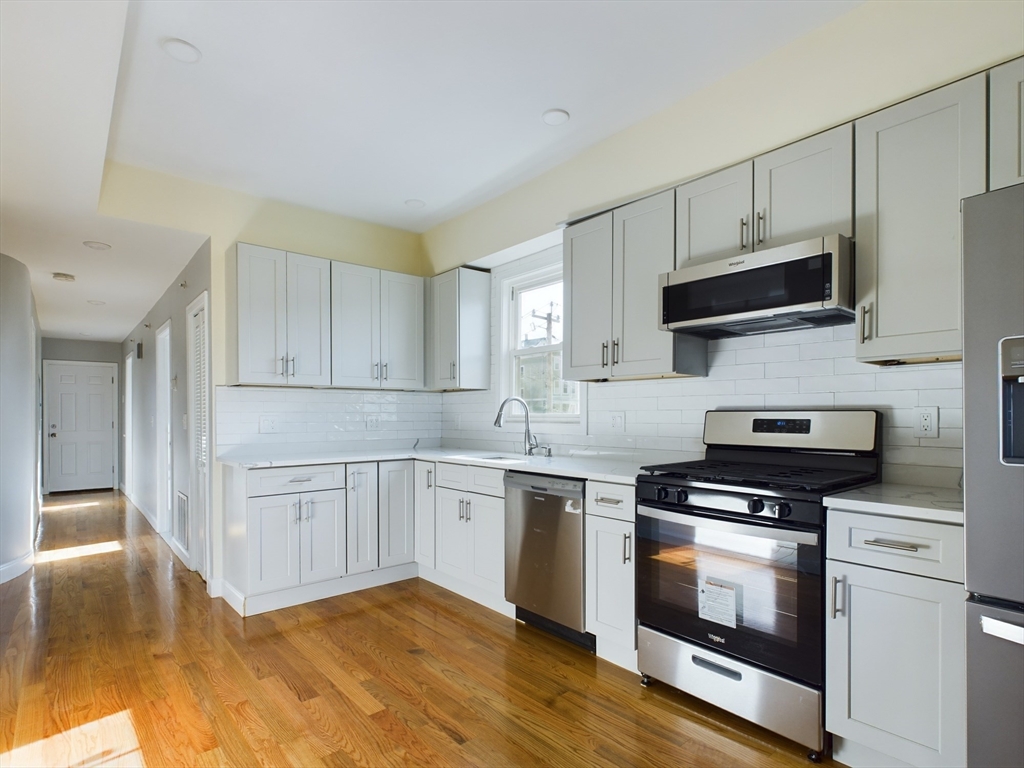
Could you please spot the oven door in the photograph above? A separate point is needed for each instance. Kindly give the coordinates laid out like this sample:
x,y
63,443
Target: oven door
x,y
750,590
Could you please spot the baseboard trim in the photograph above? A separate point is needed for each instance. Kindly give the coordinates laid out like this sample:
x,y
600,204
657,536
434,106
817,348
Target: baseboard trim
x,y
469,591
307,593
16,568
231,596
215,587
619,655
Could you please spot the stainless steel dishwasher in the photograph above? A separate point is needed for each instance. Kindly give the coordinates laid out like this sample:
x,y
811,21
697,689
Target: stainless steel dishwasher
x,y
544,553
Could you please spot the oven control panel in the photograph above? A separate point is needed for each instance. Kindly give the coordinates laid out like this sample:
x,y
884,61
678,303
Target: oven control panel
x,y
783,426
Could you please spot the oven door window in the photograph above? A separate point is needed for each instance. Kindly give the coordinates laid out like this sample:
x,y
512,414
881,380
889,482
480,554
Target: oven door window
x,y
752,591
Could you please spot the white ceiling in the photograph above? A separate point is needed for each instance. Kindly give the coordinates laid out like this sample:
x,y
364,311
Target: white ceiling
x,y
58,71
354,107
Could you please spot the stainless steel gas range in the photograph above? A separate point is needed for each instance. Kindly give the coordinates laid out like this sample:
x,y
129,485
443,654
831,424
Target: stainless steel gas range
x,y
730,562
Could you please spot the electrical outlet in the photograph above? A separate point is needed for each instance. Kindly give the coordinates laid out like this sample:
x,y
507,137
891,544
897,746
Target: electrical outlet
x,y
372,421
269,425
618,421
926,422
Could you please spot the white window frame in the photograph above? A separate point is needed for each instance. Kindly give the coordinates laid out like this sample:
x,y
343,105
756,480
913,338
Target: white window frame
x,y
519,275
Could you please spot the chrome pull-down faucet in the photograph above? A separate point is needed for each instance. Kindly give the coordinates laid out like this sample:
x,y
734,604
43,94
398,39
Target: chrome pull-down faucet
x,y
530,440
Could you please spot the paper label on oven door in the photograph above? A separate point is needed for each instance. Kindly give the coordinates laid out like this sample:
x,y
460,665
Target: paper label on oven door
x,y
716,601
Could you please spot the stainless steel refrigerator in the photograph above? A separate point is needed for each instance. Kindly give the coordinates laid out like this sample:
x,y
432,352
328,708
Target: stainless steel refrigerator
x,y
993,280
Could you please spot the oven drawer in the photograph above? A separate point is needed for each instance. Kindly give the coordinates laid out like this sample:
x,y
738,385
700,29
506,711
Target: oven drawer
x,y
935,550
611,500
275,480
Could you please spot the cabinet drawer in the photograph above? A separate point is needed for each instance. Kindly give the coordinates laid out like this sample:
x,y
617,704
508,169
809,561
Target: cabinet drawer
x,y
453,476
928,549
320,477
611,500
486,480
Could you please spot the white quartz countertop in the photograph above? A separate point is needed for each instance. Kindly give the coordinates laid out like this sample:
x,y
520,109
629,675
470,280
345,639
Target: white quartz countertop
x,y
583,467
939,505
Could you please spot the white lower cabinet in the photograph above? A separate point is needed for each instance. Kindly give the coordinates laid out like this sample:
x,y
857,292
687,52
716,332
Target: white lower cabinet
x,y
295,538
424,503
396,504
611,580
363,526
894,649
471,538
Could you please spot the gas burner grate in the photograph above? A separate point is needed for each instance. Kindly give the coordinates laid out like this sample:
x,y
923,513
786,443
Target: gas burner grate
x,y
761,475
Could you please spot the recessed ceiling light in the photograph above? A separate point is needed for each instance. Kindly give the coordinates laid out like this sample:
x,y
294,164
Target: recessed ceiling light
x,y
96,245
97,302
64,277
555,117
181,50
414,203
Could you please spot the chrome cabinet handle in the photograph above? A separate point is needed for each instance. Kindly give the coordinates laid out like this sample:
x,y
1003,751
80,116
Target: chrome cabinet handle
x,y
298,513
604,354
467,509
627,548
615,352
608,501
864,335
430,478
291,363
376,371
453,370
308,505
352,480
743,233
284,368
385,371
760,222
462,509
835,585
301,480
891,545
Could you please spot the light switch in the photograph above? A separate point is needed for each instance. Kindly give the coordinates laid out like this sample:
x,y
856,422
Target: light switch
x,y
618,421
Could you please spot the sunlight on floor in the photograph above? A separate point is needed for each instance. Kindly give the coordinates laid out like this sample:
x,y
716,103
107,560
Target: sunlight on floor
x,y
110,741
58,507
50,555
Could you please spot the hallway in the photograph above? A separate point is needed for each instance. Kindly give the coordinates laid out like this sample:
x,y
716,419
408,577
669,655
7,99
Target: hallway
x,y
113,654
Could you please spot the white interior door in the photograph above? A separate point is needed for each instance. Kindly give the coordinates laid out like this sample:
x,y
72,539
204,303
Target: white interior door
x,y
129,425
80,434
199,426
164,454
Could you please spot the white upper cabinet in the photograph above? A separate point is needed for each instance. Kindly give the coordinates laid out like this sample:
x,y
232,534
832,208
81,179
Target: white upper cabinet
x,y
376,328
262,315
401,331
283,324
914,163
611,264
396,501
309,320
355,325
460,329
804,190
713,215
1006,124
643,247
587,281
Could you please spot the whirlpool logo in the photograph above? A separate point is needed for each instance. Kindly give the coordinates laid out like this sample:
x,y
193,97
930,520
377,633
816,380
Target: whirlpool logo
x,y
716,638
737,263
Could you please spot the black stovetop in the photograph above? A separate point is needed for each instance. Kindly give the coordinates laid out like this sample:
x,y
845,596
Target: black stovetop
x,y
756,475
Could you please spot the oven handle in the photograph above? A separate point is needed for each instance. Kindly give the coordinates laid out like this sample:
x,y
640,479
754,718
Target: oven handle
x,y
741,529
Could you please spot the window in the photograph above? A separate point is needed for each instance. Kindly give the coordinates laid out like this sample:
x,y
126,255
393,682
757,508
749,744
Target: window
x,y
535,323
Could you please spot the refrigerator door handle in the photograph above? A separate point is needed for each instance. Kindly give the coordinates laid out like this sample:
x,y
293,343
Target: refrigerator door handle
x,y
1002,629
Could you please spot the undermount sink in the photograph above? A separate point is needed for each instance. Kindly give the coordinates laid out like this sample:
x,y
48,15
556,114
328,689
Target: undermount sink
x,y
497,459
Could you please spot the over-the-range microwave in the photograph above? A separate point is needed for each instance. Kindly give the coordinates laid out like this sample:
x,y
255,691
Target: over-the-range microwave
x,y
803,285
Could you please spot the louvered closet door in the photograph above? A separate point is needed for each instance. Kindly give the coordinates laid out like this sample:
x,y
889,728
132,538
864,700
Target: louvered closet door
x,y
199,432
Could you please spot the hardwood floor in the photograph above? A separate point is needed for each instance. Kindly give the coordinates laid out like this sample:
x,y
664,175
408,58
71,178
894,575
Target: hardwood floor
x,y
120,658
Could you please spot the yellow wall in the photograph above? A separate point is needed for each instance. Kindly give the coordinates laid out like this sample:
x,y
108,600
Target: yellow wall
x,y
878,54
228,217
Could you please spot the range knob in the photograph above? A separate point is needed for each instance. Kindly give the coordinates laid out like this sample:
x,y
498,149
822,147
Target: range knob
x,y
783,510
755,506
681,495
661,493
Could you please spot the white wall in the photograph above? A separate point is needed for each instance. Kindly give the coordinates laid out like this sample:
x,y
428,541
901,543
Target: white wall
x,y
20,388
800,369
196,276
326,420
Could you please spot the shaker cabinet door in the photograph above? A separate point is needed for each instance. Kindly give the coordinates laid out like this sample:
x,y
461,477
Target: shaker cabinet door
x,y
362,518
309,321
713,215
453,537
894,655
323,531
425,503
611,580
262,315
915,161
643,248
1006,124
355,325
401,331
273,532
445,309
804,190
397,536
587,284
485,517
